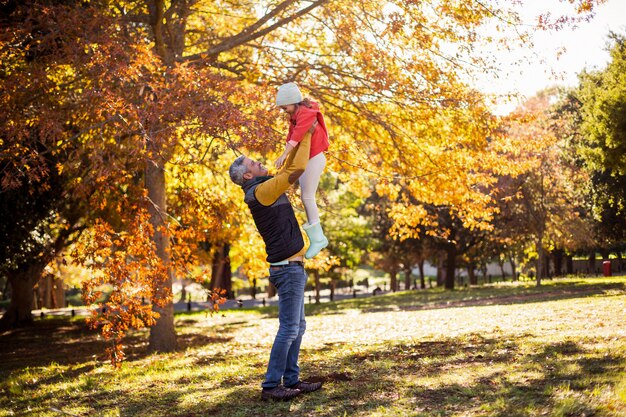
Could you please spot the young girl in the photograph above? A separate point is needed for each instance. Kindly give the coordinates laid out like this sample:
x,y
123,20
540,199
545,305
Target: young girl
x,y
303,114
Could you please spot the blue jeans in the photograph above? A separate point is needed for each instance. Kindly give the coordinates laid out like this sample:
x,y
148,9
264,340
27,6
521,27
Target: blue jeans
x,y
289,281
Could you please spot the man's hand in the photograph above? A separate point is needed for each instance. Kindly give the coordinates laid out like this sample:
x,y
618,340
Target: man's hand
x,y
280,161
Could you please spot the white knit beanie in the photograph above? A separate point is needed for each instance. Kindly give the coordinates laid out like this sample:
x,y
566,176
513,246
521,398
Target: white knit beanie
x,y
288,94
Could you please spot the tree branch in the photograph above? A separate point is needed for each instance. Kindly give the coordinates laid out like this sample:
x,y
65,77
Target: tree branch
x,y
157,11
249,33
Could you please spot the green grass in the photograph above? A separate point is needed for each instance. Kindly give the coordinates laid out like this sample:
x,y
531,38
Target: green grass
x,y
503,350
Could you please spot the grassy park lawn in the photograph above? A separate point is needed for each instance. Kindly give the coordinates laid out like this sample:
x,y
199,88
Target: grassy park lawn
x,y
502,350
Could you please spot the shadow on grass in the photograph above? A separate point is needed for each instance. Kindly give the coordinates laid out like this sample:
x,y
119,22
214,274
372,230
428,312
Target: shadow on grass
x,y
194,340
71,342
60,341
339,396
485,388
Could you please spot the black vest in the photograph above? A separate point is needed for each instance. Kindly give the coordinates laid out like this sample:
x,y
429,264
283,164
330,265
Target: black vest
x,y
277,223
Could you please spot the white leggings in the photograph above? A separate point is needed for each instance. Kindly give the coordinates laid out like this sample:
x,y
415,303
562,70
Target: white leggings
x,y
308,186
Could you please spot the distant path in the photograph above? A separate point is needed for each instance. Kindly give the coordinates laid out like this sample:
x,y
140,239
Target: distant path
x,y
262,300
246,301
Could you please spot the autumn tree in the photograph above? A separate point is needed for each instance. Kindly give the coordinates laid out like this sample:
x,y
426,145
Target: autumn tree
x,y
86,94
387,246
512,233
395,252
451,239
40,218
549,196
38,223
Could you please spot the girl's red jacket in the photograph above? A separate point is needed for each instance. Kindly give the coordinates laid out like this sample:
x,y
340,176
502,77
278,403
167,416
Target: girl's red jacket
x,y
301,121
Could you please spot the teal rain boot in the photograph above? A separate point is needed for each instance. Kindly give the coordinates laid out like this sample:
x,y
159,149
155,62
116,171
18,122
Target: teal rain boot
x,y
317,238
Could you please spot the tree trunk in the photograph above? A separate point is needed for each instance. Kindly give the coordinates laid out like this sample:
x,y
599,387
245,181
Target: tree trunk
x,y
450,266
513,267
483,270
541,261
316,275
502,271
332,289
22,281
221,275
5,291
271,290
162,334
569,264
592,263
557,256
49,292
407,278
45,290
420,265
58,293
441,272
183,290
217,268
393,281
473,280
227,273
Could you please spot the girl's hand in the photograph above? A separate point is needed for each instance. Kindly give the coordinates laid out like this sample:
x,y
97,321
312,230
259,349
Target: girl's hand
x,y
280,161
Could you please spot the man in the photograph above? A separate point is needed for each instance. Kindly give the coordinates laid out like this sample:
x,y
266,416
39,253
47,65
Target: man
x,y
276,222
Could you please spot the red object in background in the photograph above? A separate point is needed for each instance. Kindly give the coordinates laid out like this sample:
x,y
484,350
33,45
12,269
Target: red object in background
x,y
606,268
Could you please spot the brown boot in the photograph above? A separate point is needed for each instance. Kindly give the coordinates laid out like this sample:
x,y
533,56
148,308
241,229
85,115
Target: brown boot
x,y
306,387
279,393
